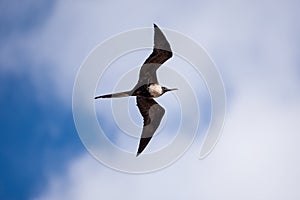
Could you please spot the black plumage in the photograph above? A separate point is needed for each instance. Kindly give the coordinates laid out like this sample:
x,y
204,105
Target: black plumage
x,y
152,113
148,88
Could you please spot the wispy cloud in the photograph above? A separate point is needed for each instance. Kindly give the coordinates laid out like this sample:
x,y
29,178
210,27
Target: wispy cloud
x,y
256,158
253,45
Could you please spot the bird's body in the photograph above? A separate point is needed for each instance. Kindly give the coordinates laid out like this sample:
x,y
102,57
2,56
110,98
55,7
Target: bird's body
x,y
151,90
148,88
155,90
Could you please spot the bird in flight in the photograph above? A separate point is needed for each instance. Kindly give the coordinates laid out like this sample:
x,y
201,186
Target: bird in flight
x,y
148,88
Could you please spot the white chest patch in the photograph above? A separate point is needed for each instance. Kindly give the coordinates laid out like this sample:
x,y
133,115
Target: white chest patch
x,y
155,90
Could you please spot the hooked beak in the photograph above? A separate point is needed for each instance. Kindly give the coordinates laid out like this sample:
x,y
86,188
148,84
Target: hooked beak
x,y
167,90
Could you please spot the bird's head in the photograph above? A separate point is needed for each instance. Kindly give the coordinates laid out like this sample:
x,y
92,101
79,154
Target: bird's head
x,y
164,89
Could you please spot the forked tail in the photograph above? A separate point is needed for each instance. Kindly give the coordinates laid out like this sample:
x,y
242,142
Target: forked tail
x,y
115,95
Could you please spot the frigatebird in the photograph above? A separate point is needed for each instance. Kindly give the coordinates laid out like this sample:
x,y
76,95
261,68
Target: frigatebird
x,y
148,88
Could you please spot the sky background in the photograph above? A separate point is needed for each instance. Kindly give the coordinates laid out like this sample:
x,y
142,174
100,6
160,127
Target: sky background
x,y
254,44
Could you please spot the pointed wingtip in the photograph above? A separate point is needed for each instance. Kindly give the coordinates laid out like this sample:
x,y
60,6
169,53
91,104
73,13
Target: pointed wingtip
x,y
155,26
137,154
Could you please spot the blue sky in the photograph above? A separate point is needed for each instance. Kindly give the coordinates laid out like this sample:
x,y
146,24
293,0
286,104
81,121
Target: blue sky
x,y
37,136
32,141
254,45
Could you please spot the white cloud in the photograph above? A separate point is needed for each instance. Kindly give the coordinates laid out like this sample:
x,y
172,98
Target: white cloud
x,y
248,40
257,158
251,42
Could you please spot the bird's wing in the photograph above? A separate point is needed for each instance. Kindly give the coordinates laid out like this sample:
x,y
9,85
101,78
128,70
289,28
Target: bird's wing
x,y
152,113
161,53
